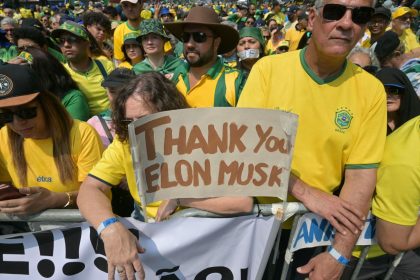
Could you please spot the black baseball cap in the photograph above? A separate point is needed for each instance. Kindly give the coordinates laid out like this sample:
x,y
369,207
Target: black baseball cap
x,y
382,11
118,78
386,44
18,85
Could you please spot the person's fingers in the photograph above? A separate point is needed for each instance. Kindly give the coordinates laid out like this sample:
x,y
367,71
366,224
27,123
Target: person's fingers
x,y
111,271
138,267
339,228
354,210
307,268
346,223
140,249
129,272
353,219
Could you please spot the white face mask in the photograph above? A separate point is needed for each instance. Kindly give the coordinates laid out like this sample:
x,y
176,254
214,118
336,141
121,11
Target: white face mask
x,y
249,53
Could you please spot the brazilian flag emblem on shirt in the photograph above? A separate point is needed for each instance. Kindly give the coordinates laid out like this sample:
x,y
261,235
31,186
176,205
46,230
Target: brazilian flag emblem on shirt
x,y
343,118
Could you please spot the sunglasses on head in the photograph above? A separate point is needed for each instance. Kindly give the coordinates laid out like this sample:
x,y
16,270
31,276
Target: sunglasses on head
x,y
198,37
23,113
69,39
394,90
359,15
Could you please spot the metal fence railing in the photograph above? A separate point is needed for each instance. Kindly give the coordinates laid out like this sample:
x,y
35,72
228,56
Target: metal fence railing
x,y
291,210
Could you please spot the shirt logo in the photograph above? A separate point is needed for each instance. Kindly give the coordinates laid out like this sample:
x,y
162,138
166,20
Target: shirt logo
x,y
6,85
343,118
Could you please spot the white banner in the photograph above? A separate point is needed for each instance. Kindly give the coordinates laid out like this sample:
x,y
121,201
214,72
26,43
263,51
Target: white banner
x,y
314,231
181,248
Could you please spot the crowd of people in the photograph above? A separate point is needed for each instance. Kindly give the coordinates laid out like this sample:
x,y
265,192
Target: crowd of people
x,y
72,77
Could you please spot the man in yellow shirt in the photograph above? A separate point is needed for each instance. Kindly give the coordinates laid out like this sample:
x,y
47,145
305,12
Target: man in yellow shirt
x,y
294,34
276,13
206,81
401,21
88,73
377,25
342,125
131,9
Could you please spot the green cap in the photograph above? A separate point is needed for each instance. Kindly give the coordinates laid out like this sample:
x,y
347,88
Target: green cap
x,y
152,26
131,37
253,32
72,27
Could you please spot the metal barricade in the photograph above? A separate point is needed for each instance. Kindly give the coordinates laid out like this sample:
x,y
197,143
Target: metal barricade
x,y
293,209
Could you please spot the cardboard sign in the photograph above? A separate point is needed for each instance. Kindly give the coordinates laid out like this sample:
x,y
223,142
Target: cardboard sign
x,y
211,152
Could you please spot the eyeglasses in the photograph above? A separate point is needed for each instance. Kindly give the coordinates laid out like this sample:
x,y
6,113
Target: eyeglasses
x,y
359,15
198,37
8,30
25,48
69,39
394,90
23,113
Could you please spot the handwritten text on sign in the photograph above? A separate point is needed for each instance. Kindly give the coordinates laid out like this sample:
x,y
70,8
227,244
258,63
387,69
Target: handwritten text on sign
x,y
214,151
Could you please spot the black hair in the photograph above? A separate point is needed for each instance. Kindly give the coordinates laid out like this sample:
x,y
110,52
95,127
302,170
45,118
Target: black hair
x,y
109,10
92,18
30,33
51,72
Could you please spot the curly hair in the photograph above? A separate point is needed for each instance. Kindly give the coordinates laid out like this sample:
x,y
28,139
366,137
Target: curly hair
x,y
92,18
159,92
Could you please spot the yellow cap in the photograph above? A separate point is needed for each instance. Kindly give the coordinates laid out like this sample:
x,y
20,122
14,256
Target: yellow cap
x,y
402,11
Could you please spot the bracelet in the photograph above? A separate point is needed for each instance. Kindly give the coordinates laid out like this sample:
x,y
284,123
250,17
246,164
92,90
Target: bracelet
x,y
105,224
69,200
336,255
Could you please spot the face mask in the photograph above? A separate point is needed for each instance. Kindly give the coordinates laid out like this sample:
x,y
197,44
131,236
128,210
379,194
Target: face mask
x,y
249,53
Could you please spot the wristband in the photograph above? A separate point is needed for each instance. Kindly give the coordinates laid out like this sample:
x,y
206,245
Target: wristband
x,y
336,255
105,224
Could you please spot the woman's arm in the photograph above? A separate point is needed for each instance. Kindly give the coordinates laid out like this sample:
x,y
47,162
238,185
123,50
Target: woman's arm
x,y
121,246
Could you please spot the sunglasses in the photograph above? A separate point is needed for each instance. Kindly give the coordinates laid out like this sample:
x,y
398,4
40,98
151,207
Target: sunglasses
x,y
8,30
69,39
394,90
23,113
198,37
359,15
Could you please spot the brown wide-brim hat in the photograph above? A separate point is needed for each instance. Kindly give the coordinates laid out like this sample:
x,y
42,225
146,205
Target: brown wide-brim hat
x,y
207,17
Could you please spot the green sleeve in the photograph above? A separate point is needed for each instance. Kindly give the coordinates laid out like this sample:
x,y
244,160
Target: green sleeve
x,y
77,105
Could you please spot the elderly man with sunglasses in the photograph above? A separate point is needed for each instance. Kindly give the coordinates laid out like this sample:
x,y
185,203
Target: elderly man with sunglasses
x,y
342,126
206,81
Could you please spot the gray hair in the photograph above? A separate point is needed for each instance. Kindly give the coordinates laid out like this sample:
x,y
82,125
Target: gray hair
x,y
319,3
369,52
9,21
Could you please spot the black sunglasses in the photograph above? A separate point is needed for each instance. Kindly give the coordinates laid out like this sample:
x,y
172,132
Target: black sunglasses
x,y
69,39
198,37
359,15
23,113
394,90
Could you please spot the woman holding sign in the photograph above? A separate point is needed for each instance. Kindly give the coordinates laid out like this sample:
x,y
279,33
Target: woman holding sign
x,y
146,94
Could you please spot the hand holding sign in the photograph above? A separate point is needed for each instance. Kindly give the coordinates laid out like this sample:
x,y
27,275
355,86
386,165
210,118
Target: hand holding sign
x,y
122,248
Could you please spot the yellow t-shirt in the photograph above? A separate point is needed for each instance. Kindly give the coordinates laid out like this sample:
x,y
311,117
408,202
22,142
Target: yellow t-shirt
x,y
342,120
125,64
86,149
270,48
397,196
293,36
212,90
114,165
90,84
409,39
119,33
